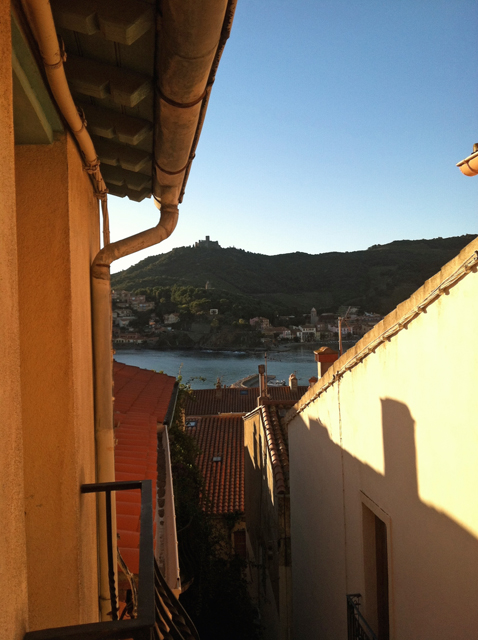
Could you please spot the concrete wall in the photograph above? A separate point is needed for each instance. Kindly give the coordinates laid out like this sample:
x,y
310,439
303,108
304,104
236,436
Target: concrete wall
x,y
57,227
397,436
13,582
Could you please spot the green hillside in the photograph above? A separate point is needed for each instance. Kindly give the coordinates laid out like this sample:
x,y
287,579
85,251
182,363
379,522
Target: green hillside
x,y
376,279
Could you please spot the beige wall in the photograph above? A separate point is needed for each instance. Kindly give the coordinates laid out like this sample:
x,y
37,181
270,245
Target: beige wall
x,y
13,582
398,434
57,226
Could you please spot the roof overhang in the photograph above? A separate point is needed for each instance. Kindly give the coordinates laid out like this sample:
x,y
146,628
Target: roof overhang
x,y
141,72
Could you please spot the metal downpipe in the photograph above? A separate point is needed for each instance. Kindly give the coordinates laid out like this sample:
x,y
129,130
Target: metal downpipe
x,y
103,367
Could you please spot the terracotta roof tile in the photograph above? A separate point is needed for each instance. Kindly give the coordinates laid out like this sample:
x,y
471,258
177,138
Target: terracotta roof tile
x,y
277,446
221,438
142,391
210,402
142,399
136,464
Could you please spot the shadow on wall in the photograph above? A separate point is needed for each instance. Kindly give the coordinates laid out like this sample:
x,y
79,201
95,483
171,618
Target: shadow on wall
x,y
262,523
433,560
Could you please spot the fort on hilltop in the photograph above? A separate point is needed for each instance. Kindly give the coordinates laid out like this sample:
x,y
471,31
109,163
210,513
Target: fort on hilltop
x,y
207,244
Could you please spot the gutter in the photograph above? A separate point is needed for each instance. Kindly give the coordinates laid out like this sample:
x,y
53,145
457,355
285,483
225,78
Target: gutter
x,y
225,33
168,418
469,166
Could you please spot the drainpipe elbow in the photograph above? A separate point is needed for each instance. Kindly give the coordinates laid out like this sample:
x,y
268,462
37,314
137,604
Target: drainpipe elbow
x,y
111,252
168,220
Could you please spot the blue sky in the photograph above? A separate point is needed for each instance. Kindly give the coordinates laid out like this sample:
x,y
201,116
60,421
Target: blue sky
x,y
333,125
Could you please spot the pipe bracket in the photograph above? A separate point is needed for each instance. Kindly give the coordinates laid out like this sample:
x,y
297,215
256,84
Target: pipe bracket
x,y
182,105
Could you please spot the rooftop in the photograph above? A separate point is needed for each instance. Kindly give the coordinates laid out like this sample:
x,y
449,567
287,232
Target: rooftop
x,y
135,459
142,391
221,462
136,70
277,445
142,399
210,402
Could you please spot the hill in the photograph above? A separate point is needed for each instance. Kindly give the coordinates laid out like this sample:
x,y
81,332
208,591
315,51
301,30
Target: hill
x,y
376,279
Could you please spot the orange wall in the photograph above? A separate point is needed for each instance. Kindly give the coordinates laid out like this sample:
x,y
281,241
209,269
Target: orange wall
x,y
57,226
13,575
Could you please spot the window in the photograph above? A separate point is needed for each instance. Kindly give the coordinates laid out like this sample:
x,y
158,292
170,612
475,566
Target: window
x,y
240,543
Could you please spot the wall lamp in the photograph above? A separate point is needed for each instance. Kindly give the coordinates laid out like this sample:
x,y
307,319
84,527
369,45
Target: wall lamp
x,y
469,166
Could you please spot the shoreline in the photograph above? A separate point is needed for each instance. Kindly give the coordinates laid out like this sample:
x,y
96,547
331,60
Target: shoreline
x,y
239,350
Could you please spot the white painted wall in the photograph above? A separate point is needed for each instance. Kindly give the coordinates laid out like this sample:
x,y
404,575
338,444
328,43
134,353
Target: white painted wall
x,y
398,432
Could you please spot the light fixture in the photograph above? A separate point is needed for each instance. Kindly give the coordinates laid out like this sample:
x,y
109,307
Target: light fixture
x,y
469,166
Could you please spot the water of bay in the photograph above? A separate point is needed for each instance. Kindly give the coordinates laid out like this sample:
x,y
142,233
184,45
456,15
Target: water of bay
x,y
229,366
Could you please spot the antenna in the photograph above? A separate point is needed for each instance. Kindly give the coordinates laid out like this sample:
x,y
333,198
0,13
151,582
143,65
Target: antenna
x,y
344,319
265,383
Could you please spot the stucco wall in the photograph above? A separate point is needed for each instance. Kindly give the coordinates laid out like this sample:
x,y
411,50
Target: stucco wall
x,y
13,582
397,433
57,226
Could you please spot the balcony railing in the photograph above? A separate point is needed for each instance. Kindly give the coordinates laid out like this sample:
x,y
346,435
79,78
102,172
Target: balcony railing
x,y
159,613
357,627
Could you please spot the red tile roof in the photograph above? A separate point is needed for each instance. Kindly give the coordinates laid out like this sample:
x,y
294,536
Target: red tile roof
x,y
142,399
210,402
221,437
277,446
142,391
135,459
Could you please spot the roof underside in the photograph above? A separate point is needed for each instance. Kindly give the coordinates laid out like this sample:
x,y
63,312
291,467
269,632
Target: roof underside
x,y
141,72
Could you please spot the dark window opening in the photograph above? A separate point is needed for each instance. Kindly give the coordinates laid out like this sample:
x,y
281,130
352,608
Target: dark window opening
x,y
240,544
375,548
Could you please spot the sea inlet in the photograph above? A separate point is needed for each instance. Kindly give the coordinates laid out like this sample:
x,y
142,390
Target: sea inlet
x,y
201,369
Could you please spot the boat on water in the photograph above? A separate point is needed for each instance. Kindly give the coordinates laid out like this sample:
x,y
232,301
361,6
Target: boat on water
x,y
276,383
253,381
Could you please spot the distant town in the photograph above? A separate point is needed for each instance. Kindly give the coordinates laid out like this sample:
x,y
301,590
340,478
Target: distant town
x,y
138,320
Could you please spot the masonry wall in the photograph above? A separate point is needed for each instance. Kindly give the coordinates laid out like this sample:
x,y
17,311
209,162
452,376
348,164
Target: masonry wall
x,y
395,437
58,236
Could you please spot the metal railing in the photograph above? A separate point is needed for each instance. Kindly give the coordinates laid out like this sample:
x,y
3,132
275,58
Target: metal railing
x,y
357,626
159,612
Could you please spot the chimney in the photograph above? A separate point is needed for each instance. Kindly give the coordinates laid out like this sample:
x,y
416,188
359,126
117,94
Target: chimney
x,y
312,381
325,358
293,382
218,389
262,385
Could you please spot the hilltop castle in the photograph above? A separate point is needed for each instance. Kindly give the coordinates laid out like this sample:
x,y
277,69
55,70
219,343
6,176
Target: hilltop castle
x,y
207,244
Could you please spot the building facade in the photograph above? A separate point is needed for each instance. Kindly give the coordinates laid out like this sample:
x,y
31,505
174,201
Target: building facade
x,y
383,452
78,123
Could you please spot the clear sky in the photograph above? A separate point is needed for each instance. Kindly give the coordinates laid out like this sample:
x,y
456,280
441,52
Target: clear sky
x,y
332,125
